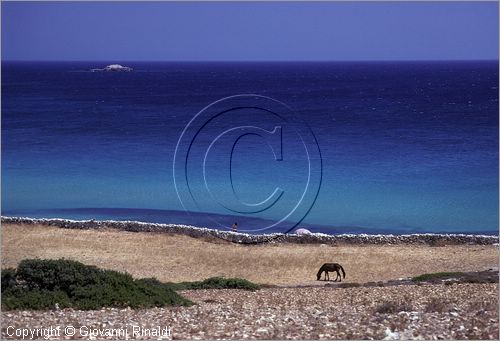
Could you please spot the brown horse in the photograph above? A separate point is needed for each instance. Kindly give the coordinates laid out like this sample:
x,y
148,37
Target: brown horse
x,y
330,267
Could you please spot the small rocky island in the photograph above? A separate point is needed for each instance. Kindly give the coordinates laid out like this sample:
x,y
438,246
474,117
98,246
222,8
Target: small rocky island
x,y
114,68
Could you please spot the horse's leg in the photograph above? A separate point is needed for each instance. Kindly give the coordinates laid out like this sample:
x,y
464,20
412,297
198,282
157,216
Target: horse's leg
x,y
327,275
338,275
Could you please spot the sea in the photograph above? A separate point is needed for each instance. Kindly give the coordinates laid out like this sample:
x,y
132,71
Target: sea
x,y
334,147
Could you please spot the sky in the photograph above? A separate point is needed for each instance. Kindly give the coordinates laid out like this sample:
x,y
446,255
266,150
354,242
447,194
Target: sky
x,y
247,31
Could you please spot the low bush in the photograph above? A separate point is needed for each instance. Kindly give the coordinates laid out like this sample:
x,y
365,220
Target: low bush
x,y
45,284
59,274
8,278
27,299
216,283
41,284
436,275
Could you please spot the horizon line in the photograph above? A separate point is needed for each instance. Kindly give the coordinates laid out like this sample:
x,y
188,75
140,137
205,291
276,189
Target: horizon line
x,y
246,61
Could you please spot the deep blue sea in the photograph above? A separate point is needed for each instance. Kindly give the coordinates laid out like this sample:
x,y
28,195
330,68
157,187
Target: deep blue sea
x,y
405,147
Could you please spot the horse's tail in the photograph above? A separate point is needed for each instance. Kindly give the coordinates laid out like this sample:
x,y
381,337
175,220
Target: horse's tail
x,y
343,272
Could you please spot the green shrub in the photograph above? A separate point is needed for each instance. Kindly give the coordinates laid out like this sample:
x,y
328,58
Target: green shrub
x,y
41,284
22,298
216,283
436,275
8,278
156,291
61,274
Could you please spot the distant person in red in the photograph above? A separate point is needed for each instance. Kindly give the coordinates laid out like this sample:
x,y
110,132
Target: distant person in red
x,y
235,227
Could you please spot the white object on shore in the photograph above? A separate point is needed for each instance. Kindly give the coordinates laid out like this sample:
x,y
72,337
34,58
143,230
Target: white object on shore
x,y
114,68
302,231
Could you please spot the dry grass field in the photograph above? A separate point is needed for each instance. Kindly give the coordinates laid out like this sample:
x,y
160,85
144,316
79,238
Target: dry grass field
x,y
178,258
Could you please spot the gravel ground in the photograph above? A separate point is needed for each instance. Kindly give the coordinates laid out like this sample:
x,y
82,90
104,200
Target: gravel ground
x,y
458,311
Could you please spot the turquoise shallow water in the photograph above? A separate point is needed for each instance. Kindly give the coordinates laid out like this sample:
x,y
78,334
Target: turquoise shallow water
x,y
405,147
